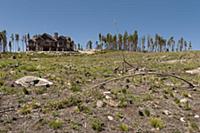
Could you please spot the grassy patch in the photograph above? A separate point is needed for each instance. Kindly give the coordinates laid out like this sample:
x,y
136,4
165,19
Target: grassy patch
x,y
29,68
147,112
85,109
157,123
56,124
8,90
27,108
97,125
75,87
124,127
75,125
194,126
63,103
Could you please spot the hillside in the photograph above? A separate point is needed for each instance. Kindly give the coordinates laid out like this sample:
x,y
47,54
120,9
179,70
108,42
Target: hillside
x,y
101,92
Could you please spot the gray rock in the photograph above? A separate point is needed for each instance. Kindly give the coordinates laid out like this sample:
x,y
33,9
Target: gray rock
x,y
110,118
184,100
167,112
33,81
196,116
182,119
99,104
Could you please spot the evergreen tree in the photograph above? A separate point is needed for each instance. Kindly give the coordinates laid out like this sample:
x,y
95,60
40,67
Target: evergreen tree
x,y
125,37
120,41
135,41
17,40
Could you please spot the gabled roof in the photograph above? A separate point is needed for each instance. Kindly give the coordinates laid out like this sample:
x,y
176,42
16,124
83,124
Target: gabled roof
x,y
47,36
62,37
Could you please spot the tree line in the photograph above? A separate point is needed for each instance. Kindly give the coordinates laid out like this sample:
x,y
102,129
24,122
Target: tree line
x,y
126,41
12,43
132,42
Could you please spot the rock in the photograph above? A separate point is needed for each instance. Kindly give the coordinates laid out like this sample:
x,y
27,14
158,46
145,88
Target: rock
x,y
99,104
182,119
189,95
106,92
12,72
111,103
196,116
166,112
107,97
194,71
33,81
184,100
69,84
110,118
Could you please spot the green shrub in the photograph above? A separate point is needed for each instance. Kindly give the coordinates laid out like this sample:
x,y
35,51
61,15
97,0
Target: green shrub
x,y
75,125
156,123
147,112
194,126
84,109
56,124
26,109
119,115
124,127
29,68
8,90
75,87
60,104
97,125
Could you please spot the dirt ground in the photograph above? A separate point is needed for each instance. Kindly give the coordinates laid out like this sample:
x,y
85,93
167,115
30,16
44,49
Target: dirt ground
x,y
95,93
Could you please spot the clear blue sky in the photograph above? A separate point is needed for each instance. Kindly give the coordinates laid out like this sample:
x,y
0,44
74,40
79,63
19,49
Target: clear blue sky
x,y
84,19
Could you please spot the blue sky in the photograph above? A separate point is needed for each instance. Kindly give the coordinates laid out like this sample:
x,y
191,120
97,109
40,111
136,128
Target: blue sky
x,y
84,19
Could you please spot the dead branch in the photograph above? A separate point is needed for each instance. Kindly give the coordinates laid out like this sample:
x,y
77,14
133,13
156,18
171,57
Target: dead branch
x,y
125,66
126,62
144,73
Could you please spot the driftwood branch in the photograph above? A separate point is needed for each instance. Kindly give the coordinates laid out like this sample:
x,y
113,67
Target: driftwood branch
x,y
145,73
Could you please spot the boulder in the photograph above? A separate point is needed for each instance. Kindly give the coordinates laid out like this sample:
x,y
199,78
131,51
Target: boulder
x,y
33,81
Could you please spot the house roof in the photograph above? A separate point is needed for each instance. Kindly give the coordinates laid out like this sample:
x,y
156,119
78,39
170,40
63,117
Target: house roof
x,y
47,37
62,37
